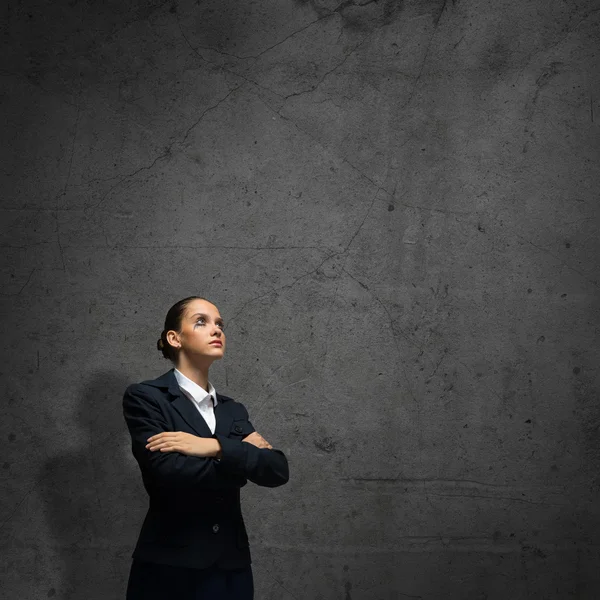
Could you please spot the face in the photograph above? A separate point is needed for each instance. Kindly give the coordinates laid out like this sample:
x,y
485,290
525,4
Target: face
x,y
201,329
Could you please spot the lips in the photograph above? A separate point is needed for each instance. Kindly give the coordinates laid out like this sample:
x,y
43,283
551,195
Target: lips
x,y
216,344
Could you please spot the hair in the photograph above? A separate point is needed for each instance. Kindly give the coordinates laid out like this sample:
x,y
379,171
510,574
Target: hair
x,y
173,321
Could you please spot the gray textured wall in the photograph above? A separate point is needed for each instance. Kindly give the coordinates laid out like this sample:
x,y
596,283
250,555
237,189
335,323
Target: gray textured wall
x,y
394,204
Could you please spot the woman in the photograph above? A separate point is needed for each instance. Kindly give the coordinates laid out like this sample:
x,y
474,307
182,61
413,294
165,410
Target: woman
x,y
196,448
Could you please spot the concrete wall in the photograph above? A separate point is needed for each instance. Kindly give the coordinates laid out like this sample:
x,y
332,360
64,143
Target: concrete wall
x,y
394,204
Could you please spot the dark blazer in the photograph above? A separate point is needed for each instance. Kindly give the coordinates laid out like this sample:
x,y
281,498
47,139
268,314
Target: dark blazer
x,y
194,517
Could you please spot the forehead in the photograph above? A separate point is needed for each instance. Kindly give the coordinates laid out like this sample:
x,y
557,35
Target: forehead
x,y
201,306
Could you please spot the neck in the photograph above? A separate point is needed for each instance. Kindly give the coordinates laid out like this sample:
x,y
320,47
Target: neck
x,y
198,374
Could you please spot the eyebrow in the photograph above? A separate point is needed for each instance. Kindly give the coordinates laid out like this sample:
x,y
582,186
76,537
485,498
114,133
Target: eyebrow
x,y
204,315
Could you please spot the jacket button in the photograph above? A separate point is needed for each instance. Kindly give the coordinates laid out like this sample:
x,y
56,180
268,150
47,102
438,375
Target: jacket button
x,y
215,528
238,429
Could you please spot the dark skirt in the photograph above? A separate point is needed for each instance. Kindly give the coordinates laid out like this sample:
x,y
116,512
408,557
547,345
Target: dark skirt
x,y
150,581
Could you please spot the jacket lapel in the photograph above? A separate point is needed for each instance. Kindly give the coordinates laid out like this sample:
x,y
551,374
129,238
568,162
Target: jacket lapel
x,y
189,412
184,406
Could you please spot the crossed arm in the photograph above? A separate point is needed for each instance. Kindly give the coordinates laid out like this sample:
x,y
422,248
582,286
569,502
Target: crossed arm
x,y
179,459
193,445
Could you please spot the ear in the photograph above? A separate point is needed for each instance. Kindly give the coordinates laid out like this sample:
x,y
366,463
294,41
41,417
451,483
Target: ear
x,y
173,338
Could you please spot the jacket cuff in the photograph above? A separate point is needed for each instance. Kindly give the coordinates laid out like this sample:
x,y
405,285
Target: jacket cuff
x,y
233,453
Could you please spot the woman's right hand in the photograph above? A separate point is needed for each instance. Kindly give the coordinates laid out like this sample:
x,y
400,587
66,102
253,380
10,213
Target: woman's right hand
x,y
257,440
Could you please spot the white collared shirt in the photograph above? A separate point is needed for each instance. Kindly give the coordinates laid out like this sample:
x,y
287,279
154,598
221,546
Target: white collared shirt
x,y
204,401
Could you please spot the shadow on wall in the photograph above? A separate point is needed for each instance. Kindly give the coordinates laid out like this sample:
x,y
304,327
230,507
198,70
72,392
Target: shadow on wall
x,y
93,497
358,14
230,27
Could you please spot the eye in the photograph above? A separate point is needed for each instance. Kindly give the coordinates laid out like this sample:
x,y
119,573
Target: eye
x,y
203,320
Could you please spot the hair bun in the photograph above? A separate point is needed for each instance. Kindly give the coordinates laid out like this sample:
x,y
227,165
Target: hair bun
x,y
160,344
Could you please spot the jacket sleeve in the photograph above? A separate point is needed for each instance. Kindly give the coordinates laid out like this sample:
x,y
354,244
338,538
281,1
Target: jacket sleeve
x,y
265,467
167,469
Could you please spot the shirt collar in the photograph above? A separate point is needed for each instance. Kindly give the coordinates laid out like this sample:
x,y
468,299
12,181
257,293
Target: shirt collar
x,y
197,392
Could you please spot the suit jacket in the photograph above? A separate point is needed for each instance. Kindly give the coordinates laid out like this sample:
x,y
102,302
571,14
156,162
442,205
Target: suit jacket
x,y
194,517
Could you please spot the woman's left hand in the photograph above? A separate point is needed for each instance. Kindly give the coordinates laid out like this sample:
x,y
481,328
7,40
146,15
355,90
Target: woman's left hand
x,y
185,443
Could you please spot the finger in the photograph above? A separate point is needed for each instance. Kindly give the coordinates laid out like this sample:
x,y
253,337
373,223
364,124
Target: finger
x,y
154,443
158,445
169,447
160,436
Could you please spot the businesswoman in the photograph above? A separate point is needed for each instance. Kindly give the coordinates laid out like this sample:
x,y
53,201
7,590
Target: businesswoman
x,y
195,448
